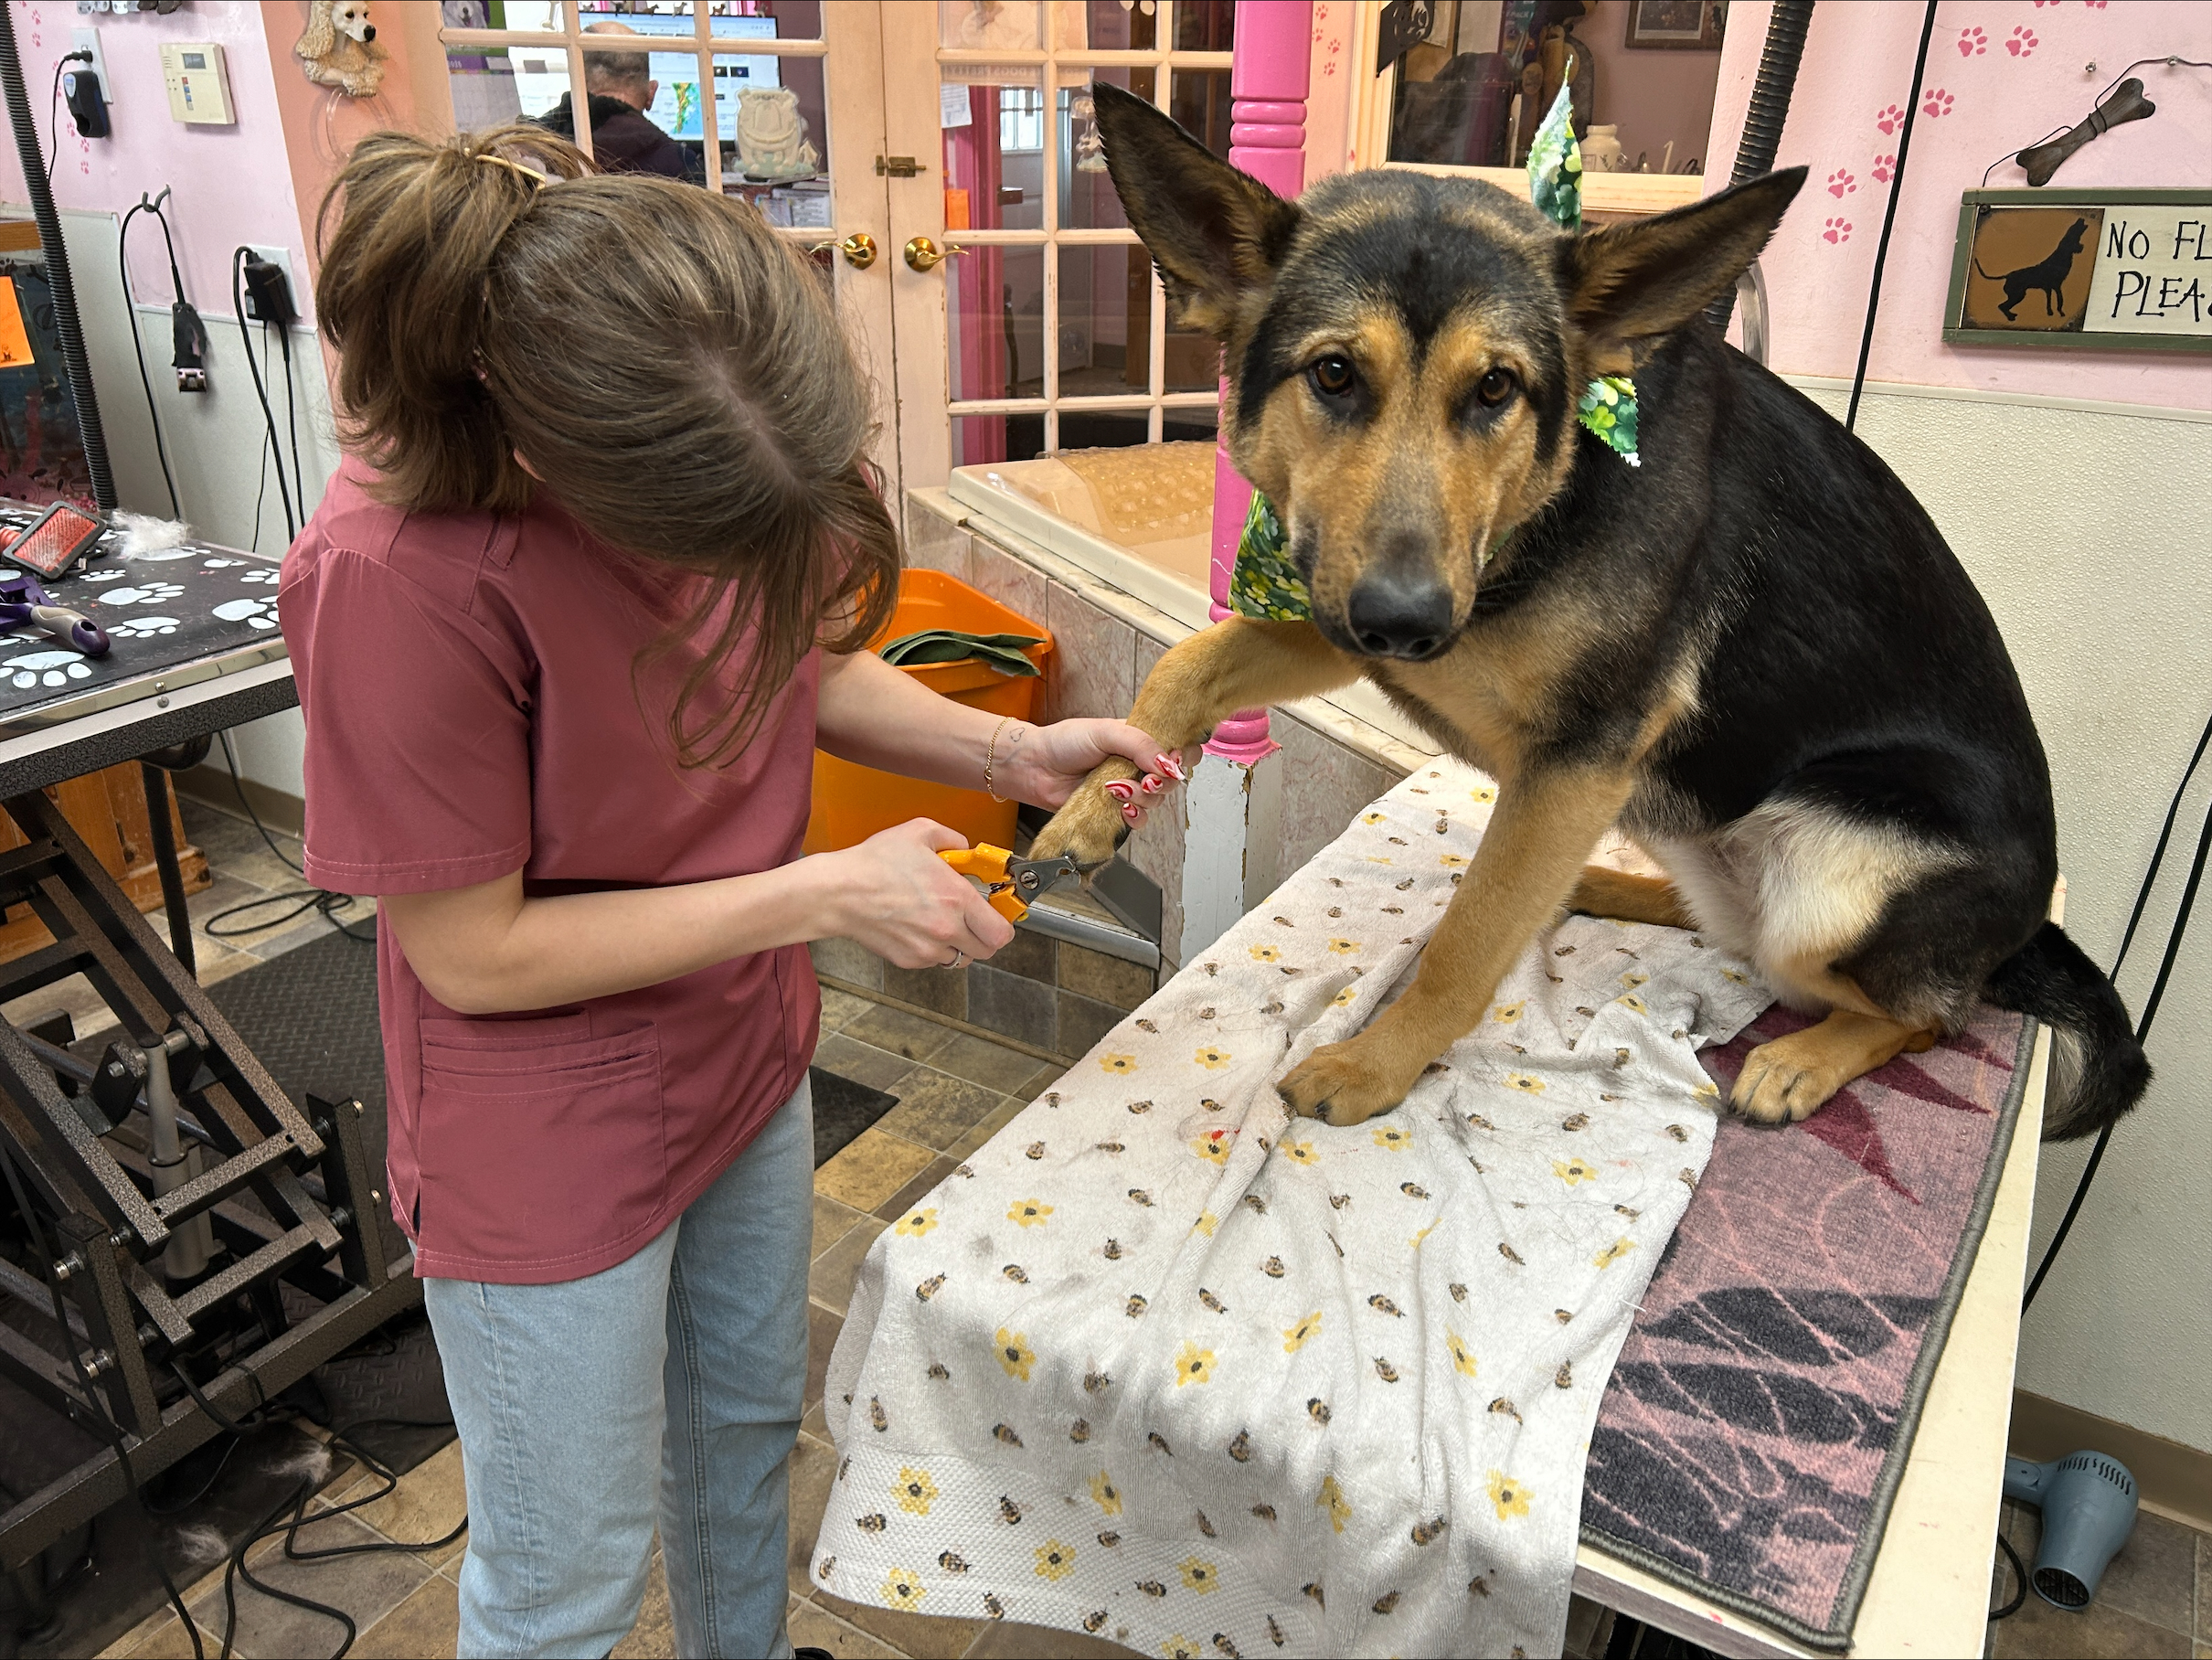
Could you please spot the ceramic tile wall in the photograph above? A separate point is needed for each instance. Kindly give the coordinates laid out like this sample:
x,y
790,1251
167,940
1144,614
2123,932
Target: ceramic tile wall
x,y
1056,997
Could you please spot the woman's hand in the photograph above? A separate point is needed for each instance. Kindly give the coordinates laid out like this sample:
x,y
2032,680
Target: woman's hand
x,y
896,897
1043,764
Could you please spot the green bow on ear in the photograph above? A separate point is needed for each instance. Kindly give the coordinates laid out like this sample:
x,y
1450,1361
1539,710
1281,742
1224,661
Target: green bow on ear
x,y
1264,583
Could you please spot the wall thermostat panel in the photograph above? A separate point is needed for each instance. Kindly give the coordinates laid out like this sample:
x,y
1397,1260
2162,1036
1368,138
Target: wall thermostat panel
x,y
198,84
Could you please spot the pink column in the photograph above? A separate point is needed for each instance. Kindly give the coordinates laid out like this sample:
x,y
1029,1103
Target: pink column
x,y
1268,85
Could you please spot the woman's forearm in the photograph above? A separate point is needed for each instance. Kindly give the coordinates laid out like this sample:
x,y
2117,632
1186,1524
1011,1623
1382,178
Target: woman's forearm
x,y
871,713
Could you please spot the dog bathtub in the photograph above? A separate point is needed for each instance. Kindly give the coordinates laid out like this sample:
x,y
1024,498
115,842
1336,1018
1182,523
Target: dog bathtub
x,y
1139,518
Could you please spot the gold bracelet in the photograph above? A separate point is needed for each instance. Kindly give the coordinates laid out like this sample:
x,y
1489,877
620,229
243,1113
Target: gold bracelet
x,y
991,757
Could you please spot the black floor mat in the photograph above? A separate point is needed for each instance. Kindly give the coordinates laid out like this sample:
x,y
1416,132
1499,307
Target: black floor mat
x,y
842,1109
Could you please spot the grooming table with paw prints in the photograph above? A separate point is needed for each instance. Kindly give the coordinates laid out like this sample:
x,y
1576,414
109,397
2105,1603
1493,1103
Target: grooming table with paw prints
x,y
1163,1365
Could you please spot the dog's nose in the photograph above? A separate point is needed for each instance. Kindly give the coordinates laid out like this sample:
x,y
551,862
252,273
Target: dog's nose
x,y
1399,615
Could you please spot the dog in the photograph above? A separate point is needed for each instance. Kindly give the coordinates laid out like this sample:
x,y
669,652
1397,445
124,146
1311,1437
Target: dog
x,y
339,47
1753,652
2046,275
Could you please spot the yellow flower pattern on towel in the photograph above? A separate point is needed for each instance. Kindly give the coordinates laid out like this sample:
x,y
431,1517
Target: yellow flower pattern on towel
x,y
1612,1253
1635,977
902,1588
1463,1357
1526,1082
1344,947
1212,1060
1206,1224
1452,861
1104,1494
1213,1146
1267,953
1633,1003
1373,818
1294,1336
914,1224
1029,1213
915,1491
1391,1136
1573,1170
1299,1152
1014,1354
1332,1499
1182,1648
1054,1560
1505,1014
1118,1064
1194,1364
1198,1576
1509,1496
1484,796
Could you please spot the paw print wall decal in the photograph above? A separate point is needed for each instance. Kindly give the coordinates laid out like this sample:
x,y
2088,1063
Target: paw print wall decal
x,y
1841,183
1884,167
1889,119
254,611
1835,230
1972,43
141,628
2023,42
142,594
1937,103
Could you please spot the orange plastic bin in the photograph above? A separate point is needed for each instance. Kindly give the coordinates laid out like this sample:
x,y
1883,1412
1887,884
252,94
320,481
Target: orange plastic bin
x,y
852,802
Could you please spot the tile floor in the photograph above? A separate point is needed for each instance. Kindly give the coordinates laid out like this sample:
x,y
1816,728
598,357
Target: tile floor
x,y
955,1092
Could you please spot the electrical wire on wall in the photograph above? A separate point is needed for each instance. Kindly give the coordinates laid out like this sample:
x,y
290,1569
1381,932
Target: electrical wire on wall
x,y
184,322
261,390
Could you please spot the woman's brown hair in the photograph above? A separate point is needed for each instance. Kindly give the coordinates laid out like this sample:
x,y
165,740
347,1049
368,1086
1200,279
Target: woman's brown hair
x,y
670,367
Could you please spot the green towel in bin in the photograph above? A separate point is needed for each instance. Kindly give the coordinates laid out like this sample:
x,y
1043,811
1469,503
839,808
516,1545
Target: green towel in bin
x,y
1002,652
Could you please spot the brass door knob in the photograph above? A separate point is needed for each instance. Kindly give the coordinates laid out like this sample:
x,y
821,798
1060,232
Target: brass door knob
x,y
859,250
925,255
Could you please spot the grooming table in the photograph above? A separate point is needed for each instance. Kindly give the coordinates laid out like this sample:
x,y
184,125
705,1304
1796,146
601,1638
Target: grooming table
x,y
1930,1590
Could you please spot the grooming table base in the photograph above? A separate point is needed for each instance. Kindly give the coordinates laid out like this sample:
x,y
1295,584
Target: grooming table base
x,y
1165,1365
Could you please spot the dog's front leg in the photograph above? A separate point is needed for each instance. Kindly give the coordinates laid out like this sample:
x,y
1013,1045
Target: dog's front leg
x,y
1239,664
1545,826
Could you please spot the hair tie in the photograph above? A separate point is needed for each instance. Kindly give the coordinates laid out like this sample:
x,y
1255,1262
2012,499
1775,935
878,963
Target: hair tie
x,y
500,161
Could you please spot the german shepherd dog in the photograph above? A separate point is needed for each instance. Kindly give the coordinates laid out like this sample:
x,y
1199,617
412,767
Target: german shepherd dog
x,y
1753,653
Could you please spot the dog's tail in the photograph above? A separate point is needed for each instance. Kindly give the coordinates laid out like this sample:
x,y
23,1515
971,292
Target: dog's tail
x,y
2098,1069
1987,276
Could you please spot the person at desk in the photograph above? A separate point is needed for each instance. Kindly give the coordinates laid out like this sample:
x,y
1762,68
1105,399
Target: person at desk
x,y
568,627
620,88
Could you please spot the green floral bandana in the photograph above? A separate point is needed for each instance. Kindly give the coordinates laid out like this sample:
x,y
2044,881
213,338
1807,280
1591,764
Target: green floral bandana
x,y
1264,583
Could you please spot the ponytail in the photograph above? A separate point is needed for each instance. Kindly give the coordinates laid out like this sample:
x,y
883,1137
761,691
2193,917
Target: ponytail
x,y
404,294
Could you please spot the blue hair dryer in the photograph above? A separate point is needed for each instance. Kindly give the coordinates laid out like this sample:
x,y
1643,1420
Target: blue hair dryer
x,y
2088,1501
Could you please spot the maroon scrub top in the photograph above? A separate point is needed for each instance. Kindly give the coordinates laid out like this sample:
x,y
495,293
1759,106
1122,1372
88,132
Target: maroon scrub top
x,y
475,705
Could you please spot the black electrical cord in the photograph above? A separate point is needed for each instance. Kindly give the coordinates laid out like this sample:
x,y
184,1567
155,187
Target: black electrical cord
x,y
98,1411
261,488
261,390
53,109
2019,1580
138,350
1897,189
302,900
292,416
2157,993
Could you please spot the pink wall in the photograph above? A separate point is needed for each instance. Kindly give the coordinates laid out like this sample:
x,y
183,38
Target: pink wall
x,y
232,184
2000,74
1650,95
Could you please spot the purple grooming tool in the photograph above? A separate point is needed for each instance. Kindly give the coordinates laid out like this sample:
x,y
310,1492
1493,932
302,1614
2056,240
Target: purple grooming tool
x,y
22,601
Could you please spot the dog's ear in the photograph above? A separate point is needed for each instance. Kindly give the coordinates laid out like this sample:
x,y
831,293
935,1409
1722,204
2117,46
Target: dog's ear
x,y
1633,283
1216,233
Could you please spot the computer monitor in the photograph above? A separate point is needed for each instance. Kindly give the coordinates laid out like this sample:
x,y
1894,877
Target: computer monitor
x,y
676,106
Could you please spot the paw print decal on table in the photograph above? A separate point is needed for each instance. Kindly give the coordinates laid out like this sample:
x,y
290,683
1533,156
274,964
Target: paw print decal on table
x,y
1972,43
1841,183
221,564
47,669
142,594
265,574
1937,103
255,611
2023,42
99,576
141,628
1835,230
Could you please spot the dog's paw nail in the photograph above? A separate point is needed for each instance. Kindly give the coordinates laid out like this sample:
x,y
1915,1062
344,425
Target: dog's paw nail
x,y
1122,790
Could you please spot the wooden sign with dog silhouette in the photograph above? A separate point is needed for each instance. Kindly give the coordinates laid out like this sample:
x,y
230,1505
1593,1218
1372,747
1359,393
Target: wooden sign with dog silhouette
x,y
2101,270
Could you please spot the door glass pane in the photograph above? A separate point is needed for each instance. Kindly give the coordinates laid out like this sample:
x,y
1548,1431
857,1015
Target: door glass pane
x,y
994,323
991,26
1198,100
528,16
541,79
775,137
481,80
1103,428
1207,26
1111,26
1187,424
1088,201
1105,306
994,132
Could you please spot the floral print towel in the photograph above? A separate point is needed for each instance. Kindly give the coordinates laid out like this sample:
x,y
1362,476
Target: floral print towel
x,y
1161,1364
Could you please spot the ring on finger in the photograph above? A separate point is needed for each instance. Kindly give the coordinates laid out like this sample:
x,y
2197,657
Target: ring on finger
x,y
959,958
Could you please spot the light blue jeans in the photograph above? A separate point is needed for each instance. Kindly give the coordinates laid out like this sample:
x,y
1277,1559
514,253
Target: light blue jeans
x,y
682,1369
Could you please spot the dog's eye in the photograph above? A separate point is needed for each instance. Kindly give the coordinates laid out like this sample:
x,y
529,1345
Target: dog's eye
x,y
1333,375
1494,387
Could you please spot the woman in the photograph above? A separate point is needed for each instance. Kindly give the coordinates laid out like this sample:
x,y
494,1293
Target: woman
x,y
592,585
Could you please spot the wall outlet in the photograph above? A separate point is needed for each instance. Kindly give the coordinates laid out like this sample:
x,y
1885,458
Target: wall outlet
x,y
282,259
88,40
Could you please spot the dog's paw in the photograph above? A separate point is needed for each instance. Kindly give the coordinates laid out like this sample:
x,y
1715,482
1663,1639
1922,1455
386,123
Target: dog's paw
x,y
1090,824
1343,1083
1787,1079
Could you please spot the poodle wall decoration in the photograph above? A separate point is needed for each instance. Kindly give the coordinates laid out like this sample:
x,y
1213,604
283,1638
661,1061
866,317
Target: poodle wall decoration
x,y
339,48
